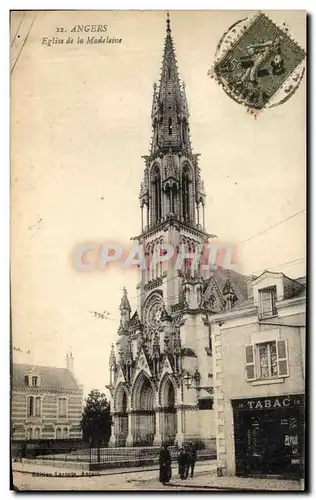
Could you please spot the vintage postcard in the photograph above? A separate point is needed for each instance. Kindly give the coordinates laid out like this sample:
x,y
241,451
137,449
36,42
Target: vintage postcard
x,y
158,260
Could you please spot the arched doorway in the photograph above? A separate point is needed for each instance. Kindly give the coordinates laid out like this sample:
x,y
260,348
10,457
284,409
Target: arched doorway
x,y
168,416
122,417
143,414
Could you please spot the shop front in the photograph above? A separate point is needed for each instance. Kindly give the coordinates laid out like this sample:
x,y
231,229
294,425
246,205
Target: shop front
x,y
269,436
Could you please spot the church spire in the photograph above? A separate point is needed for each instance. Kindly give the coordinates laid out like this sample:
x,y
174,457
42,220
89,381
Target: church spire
x,y
169,110
172,188
125,305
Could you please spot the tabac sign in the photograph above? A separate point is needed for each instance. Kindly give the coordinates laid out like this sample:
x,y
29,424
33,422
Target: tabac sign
x,y
269,403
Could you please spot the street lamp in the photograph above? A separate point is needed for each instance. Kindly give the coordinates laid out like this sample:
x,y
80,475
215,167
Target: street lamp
x,y
188,379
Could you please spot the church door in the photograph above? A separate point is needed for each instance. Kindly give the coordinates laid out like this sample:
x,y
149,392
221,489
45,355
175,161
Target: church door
x,y
144,415
168,422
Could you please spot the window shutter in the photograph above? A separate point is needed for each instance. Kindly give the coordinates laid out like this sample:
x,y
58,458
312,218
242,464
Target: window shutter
x,y
282,358
30,406
250,362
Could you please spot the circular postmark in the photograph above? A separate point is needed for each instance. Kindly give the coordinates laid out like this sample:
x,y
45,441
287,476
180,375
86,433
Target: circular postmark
x,y
258,64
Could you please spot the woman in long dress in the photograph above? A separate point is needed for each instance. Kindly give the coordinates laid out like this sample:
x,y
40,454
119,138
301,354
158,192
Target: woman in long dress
x,y
164,465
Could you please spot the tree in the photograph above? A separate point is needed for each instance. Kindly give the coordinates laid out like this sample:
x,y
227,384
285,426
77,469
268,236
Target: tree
x,y
96,421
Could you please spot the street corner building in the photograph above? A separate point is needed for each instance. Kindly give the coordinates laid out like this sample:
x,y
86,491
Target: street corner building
x,y
259,379
46,404
161,370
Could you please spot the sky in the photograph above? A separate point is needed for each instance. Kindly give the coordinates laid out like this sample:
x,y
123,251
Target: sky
x,y
80,122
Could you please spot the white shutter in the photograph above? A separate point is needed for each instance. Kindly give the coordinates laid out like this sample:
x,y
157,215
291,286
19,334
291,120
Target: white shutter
x,y
282,358
250,362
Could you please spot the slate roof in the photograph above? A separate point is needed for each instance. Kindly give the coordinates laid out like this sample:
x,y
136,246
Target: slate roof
x,y
238,280
51,377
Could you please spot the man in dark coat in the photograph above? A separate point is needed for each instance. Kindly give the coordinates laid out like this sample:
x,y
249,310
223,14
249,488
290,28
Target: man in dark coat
x,y
192,457
164,465
182,461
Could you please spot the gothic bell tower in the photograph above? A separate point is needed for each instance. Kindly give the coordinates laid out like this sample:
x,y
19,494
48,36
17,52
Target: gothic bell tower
x,y
172,195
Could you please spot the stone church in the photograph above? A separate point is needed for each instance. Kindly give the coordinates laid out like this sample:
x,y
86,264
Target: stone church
x,y
161,369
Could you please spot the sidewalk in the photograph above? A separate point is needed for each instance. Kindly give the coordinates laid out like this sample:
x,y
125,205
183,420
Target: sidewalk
x,y
27,468
233,483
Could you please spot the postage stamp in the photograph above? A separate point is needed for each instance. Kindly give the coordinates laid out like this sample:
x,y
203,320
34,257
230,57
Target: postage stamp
x,y
257,60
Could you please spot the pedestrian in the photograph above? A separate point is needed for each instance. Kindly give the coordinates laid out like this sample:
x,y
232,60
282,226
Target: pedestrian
x,y
192,457
182,462
164,465
187,463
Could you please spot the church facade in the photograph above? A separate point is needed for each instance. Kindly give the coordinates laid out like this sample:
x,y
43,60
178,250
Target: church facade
x,y
161,369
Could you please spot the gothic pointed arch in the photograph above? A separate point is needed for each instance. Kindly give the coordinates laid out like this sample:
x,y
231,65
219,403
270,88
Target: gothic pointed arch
x,y
156,193
167,400
167,391
121,408
212,298
143,393
186,181
121,398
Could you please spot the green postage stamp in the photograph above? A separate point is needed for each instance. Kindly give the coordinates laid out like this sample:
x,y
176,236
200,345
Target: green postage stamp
x,y
258,63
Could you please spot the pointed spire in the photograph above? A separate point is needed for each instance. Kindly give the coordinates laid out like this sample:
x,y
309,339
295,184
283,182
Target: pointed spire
x,y
125,305
169,110
112,356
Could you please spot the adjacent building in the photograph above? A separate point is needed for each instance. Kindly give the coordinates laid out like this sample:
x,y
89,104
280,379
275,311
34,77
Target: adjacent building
x,y
259,379
46,402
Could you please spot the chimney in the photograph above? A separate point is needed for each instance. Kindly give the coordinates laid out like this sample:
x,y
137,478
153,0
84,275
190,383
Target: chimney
x,y
70,362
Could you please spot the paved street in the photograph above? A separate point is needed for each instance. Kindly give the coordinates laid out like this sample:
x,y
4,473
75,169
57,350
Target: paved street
x,y
146,480
122,481
106,480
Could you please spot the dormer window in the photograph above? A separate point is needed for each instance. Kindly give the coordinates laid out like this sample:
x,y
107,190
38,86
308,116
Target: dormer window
x,y
267,300
32,379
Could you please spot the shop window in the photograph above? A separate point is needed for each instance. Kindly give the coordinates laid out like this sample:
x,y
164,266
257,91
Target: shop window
x,y
267,300
266,361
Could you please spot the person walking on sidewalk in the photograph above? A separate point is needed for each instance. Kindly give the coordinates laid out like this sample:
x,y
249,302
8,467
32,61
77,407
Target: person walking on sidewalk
x,y
192,457
164,465
182,462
